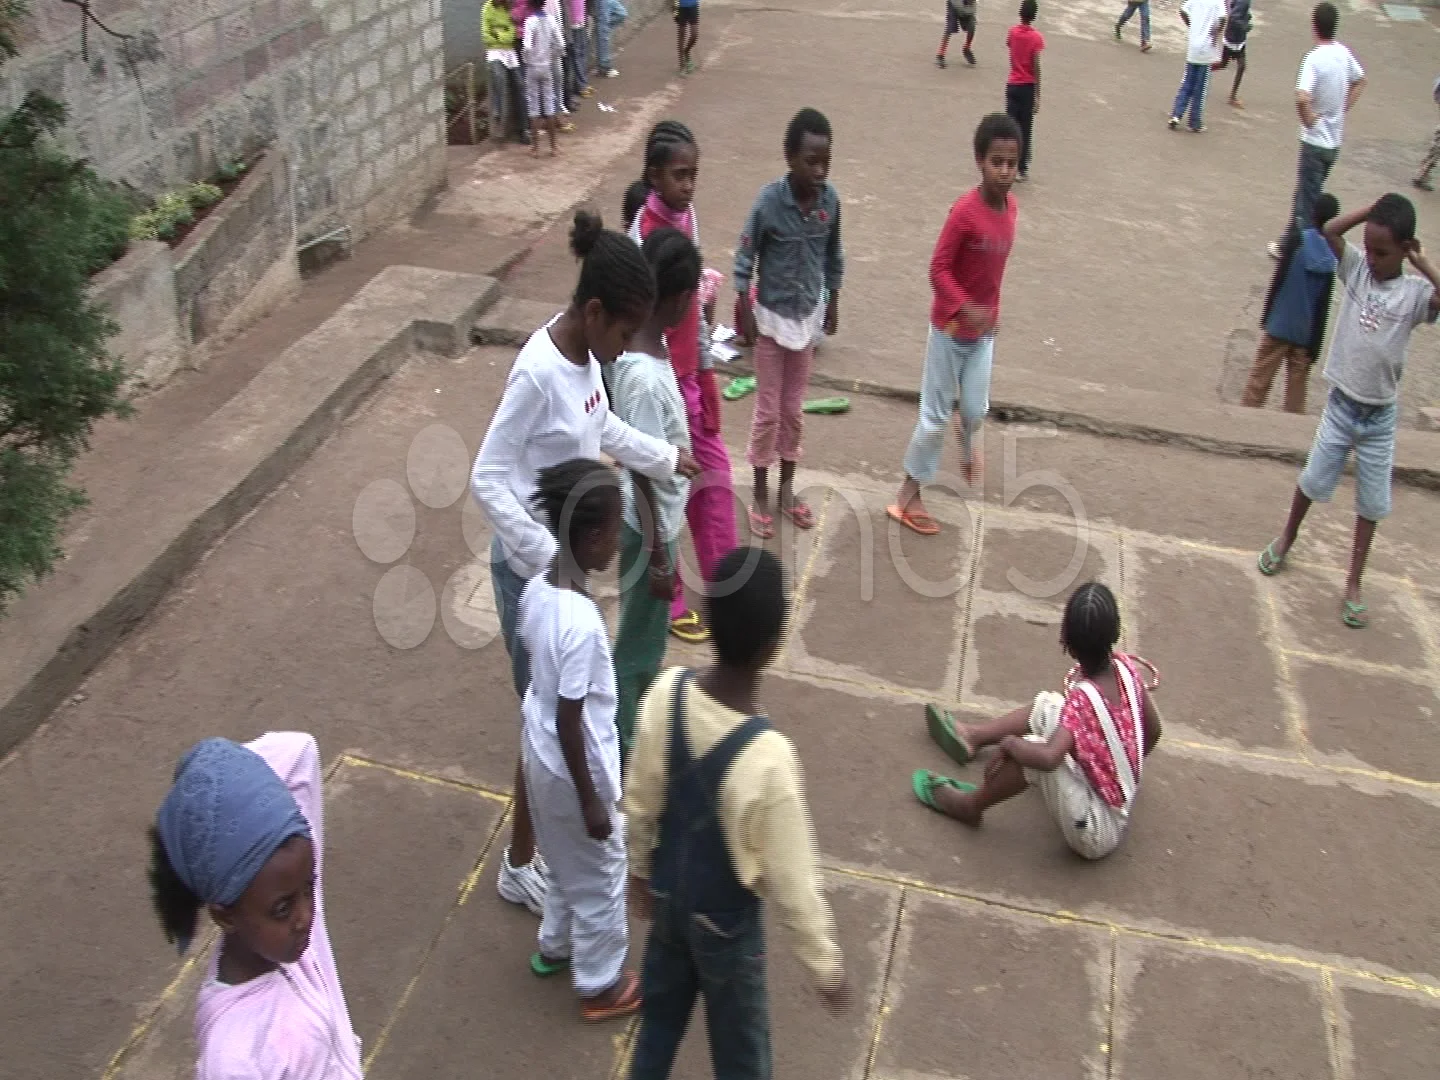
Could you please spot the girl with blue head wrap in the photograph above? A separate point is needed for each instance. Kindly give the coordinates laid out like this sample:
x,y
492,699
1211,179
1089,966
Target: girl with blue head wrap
x,y
239,834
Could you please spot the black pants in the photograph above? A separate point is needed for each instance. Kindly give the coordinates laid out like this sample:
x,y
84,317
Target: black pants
x,y
1020,104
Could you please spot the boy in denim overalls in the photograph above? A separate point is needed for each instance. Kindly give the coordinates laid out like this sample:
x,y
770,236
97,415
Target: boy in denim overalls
x,y
717,820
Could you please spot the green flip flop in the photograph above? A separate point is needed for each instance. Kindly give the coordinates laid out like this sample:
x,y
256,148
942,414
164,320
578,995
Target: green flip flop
x,y
1271,563
924,782
1355,615
738,387
829,406
941,726
543,966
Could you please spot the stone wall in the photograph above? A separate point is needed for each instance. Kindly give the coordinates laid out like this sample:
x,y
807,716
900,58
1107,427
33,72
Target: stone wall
x,y
349,92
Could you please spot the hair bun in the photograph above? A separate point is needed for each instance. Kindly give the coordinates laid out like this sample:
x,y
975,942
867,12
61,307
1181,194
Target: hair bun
x,y
585,232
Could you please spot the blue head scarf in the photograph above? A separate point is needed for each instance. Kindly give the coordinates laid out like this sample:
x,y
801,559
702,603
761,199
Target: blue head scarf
x,y
224,817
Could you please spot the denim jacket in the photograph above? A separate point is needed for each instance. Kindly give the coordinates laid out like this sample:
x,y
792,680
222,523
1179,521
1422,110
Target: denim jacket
x,y
800,255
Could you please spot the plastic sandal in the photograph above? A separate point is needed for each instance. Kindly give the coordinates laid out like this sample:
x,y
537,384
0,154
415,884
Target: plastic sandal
x,y
829,406
941,726
626,1002
1271,563
801,514
738,387
920,522
1355,615
544,967
762,526
688,627
923,783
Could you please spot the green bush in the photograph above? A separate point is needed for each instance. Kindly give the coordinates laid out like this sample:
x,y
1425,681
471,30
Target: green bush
x,y
203,194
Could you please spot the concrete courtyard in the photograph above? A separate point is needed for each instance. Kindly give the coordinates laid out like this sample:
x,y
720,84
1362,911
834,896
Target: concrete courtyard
x,y
1274,910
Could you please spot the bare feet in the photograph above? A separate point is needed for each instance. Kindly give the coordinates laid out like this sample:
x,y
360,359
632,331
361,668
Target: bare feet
x,y
1236,103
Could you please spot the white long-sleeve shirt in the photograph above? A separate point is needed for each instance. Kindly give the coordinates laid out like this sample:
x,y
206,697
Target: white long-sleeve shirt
x,y
551,411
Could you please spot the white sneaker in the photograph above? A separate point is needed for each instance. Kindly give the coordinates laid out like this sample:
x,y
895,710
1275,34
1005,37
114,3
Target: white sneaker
x,y
1273,249
610,73
524,885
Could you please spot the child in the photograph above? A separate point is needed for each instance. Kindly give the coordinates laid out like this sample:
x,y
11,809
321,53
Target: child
x,y
664,197
1143,7
1205,22
1296,308
553,409
507,89
571,753
1237,30
1379,306
718,820
1022,92
543,47
687,32
648,398
959,15
577,50
794,232
1084,750
240,832
1432,156
965,274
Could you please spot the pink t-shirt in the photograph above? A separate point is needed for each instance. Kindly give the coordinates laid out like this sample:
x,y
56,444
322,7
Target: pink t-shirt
x,y
1025,44
292,1023
1092,752
969,259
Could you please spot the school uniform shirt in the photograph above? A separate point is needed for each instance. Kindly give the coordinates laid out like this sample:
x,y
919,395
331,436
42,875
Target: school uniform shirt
x,y
969,260
1202,44
1372,329
647,397
1326,74
762,812
551,411
569,649
1025,44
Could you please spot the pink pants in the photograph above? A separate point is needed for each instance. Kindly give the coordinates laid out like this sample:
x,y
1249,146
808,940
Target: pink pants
x,y
781,378
711,509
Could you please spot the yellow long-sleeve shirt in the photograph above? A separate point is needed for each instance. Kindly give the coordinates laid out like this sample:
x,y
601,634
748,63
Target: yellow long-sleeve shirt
x,y
763,816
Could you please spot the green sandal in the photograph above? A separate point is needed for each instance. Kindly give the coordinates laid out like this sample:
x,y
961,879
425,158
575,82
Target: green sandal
x,y
941,726
543,966
829,406
1355,615
1270,563
738,387
924,782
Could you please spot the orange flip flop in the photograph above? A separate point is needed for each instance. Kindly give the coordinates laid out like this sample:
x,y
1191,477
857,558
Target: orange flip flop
x,y
921,523
625,1003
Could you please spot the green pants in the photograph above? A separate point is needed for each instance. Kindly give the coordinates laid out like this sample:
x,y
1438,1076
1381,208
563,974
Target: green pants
x,y
640,642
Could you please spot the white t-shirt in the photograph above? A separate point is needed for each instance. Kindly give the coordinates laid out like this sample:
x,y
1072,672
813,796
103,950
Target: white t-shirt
x,y
542,40
1326,74
1372,329
565,635
647,397
1203,44
551,411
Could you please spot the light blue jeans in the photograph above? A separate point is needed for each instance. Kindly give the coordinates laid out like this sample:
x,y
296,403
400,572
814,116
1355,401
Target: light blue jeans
x,y
1369,430
600,16
957,374
1142,6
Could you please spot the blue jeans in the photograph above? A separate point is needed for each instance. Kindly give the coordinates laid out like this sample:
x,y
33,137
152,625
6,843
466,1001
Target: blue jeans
x,y
1142,6
1192,95
1369,430
600,16
579,57
1311,172
721,958
957,373
508,586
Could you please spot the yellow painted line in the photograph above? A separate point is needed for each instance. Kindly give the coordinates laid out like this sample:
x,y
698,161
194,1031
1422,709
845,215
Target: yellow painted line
x,y
1169,937
427,778
1379,776
967,619
1365,667
142,1030
1289,693
1107,1048
802,586
1335,1041
877,1029
624,1042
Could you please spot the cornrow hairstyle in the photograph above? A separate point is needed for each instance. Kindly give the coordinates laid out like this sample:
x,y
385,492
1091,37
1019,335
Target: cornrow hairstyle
x,y
806,122
612,270
665,138
746,605
576,497
992,129
675,261
633,203
1396,213
1091,626
177,907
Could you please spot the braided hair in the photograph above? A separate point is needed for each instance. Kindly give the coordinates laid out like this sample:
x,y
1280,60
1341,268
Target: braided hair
x,y
675,261
1091,627
612,270
577,497
665,138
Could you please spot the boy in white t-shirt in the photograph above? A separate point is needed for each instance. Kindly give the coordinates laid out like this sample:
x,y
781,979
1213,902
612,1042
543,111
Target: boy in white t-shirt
x,y
570,751
1205,22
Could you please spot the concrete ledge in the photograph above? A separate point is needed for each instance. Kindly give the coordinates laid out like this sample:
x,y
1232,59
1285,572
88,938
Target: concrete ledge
x,y
511,322
117,570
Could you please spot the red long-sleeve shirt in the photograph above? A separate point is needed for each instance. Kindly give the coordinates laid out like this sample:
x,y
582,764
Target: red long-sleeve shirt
x,y
969,259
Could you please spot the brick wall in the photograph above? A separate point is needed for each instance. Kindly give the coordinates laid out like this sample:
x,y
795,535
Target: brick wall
x,y
348,92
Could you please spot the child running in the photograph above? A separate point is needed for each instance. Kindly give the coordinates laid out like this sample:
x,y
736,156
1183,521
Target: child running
x,y
1238,21
553,409
959,15
965,275
1380,305
648,398
1204,23
571,753
718,821
1296,309
240,833
543,47
664,197
1022,91
793,232
1084,751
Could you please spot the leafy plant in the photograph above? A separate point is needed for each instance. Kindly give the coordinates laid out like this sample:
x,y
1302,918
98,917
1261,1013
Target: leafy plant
x,y
231,170
203,194
173,211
